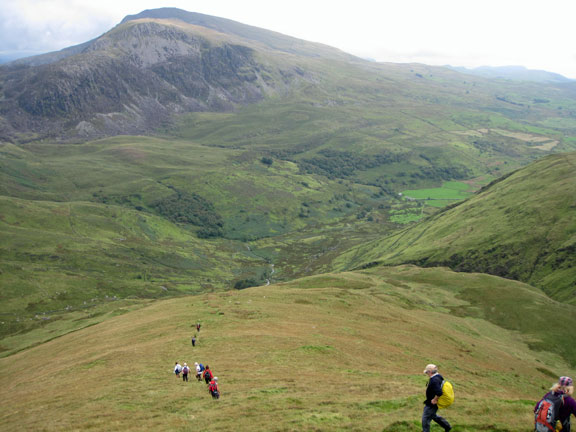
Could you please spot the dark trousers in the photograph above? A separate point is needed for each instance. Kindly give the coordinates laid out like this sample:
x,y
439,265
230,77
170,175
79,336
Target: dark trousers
x,y
429,414
184,377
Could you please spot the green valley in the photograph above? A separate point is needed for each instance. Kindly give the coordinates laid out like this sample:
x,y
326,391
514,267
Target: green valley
x,y
521,226
334,223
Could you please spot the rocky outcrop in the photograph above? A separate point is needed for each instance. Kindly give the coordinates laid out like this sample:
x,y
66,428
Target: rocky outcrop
x,y
131,80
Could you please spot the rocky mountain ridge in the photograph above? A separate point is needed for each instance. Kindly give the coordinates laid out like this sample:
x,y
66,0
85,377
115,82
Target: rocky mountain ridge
x,y
130,81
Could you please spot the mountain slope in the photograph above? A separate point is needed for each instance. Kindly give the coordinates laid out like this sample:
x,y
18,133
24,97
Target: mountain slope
x,y
333,352
517,73
134,78
521,226
249,34
161,63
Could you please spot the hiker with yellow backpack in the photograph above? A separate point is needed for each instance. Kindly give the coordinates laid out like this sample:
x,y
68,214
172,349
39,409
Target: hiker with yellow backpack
x,y
439,394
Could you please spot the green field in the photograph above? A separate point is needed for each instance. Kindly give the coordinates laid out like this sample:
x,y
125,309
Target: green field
x,y
450,191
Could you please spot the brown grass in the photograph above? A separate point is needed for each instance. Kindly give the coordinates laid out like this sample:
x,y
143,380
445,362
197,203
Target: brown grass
x,y
288,359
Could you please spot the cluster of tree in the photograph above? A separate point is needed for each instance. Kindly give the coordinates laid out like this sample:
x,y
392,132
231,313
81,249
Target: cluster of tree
x,y
132,200
267,161
507,146
246,283
190,208
455,172
339,164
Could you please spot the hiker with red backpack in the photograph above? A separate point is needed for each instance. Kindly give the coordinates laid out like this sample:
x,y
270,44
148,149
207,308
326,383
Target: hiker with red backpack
x,y
433,393
555,407
213,388
207,374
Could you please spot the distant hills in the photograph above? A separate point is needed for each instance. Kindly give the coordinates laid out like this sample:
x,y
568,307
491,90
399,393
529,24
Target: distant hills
x,y
515,73
154,66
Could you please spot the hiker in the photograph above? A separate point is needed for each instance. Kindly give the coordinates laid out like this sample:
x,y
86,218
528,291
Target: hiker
x,y
207,374
193,341
556,405
177,369
185,372
198,327
213,388
198,372
433,392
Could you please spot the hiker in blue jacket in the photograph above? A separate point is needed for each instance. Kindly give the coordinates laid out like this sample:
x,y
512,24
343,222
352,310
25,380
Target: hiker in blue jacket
x,y
433,392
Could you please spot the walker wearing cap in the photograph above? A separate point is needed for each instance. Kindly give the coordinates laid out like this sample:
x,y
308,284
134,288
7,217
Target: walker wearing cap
x,y
439,394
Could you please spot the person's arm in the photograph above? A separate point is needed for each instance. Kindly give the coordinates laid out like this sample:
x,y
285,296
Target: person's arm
x,y
571,403
436,390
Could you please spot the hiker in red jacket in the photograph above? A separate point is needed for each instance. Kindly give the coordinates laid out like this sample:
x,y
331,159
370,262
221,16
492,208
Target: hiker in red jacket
x,y
207,374
213,388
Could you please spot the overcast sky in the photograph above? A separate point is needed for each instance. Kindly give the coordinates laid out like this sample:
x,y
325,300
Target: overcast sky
x,y
538,34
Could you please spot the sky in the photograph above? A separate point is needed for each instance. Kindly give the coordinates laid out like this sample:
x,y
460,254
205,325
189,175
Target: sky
x,y
537,34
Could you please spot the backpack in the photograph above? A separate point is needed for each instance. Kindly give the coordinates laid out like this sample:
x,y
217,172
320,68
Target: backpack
x,y
208,374
447,397
185,370
547,412
201,367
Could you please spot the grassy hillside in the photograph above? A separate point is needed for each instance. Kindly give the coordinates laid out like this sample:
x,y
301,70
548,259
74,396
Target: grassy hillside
x,y
141,217
332,352
522,226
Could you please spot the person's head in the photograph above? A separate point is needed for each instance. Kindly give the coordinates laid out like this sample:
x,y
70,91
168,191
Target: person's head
x,y
564,385
207,367
215,378
185,364
196,364
176,363
430,369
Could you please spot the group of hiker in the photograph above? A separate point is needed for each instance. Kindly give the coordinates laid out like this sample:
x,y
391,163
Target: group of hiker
x,y
202,372
551,413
